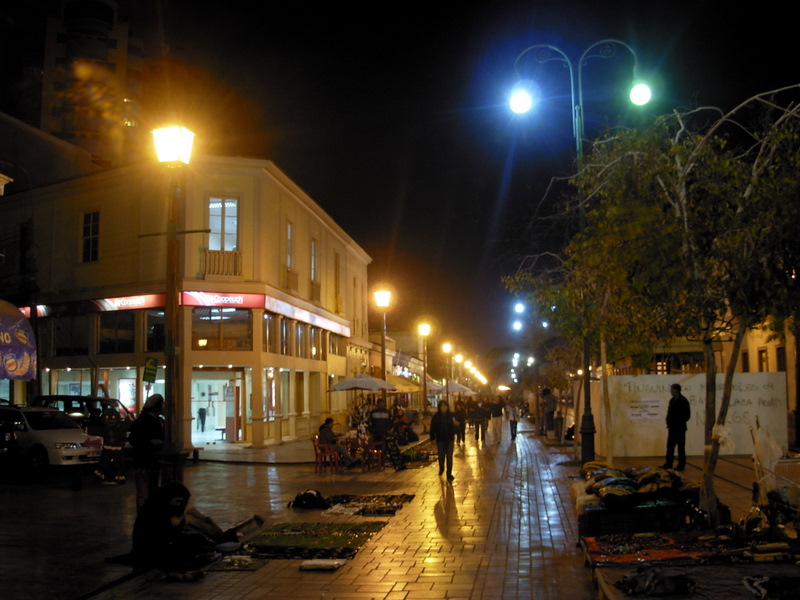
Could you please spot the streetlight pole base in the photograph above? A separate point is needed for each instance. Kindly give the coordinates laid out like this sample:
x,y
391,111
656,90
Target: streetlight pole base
x,y
587,438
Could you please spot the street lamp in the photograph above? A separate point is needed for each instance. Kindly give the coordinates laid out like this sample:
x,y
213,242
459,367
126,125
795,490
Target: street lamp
x,y
424,330
447,348
521,101
383,298
174,149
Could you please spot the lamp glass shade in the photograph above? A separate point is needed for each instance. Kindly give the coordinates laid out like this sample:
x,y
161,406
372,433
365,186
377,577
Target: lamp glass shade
x,y
383,298
173,144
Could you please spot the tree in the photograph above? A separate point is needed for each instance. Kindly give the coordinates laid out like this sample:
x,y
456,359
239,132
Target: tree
x,y
690,219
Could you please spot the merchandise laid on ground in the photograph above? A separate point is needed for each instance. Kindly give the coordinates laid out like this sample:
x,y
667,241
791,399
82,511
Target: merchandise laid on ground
x,y
381,505
313,540
643,535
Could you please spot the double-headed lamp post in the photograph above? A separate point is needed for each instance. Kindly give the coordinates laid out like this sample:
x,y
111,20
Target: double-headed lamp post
x,y
174,149
424,330
383,298
521,102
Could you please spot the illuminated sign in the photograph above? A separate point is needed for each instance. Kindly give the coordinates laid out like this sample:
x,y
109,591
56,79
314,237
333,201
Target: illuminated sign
x,y
222,299
130,302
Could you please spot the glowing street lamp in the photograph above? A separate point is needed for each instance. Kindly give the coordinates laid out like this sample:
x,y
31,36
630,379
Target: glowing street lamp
x,y
174,149
383,299
640,94
424,330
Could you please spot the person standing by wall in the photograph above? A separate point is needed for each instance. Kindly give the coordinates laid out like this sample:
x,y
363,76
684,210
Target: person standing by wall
x,y
549,405
443,432
678,414
147,438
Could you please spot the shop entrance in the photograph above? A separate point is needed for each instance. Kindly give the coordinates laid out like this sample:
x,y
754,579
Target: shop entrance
x,y
216,406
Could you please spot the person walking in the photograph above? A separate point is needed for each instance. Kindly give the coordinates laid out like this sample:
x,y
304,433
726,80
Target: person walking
x,y
479,416
496,422
512,416
443,432
201,418
460,415
678,414
147,438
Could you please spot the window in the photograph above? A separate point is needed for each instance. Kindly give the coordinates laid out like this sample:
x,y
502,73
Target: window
x,y
222,328
116,332
68,336
286,337
336,344
313,260
300,340
270,338
780,358
763,362
90,237
155,330
289,234
223,221
745,361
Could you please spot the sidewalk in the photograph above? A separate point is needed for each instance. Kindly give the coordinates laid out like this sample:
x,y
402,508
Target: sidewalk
x,y
506,528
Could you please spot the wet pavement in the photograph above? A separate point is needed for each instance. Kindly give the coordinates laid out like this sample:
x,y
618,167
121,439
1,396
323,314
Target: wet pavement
x,y
505,528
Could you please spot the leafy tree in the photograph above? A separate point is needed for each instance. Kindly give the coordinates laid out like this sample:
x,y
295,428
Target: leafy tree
x,y
691,230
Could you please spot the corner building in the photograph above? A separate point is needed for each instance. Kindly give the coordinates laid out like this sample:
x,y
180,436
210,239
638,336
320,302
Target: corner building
x,y
273,294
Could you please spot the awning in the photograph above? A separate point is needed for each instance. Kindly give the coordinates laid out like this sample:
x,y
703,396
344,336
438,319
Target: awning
x,y
17,344
403,385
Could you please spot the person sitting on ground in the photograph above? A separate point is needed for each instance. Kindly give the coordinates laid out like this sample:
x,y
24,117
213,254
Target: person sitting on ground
x,y
160,537
327,436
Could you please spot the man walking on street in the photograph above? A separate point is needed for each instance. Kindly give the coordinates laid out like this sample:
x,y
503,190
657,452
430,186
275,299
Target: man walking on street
x,y
677,416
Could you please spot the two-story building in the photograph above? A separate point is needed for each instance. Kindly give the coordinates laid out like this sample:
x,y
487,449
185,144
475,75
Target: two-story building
x,y
272,293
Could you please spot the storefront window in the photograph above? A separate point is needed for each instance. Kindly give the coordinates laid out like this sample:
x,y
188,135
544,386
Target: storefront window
x,y
69,336
270,337
286,337
300,340
155,330
315,341
116,332
336,344
222,328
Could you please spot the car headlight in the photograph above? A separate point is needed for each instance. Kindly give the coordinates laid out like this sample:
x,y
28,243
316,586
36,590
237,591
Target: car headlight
x,y
67,445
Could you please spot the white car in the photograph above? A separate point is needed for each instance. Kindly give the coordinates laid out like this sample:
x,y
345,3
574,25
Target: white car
x,y
47,436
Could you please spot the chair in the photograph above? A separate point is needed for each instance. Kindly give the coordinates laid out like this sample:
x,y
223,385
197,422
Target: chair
x,y
373,455
325,455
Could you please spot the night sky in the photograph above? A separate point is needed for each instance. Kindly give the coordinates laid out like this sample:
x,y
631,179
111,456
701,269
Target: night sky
x,y
394,119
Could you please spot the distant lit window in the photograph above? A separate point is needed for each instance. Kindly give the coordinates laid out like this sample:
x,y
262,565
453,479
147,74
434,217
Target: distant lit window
x,y
90,237
289,249
223,221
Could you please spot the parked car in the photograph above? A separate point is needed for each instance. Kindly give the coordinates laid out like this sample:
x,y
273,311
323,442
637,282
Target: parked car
x,y
47,436
86,410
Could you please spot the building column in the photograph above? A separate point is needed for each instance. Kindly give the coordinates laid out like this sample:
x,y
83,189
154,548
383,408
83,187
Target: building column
x,y
257,392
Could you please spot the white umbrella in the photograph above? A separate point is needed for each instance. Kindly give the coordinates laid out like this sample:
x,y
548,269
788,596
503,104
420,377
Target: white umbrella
x,y
362,382
454,387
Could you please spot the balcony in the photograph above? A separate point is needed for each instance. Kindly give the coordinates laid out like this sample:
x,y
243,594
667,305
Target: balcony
x,y
223,263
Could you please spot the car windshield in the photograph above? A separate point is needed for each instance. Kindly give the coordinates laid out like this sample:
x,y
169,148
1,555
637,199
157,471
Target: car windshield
x,y
50,419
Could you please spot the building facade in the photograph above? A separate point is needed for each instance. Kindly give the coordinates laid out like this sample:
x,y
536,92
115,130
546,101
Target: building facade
x,y
272,294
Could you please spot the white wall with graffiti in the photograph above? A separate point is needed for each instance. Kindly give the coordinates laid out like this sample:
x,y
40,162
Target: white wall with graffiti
x,y
639,409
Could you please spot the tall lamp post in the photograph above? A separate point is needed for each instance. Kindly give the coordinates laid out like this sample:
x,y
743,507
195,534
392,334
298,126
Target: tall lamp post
x,y
447,348
174,149
382,300
424,330
521,102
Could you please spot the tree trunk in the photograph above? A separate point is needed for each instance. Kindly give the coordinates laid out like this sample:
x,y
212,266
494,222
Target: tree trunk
x,y
708,497
606,403
710,504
